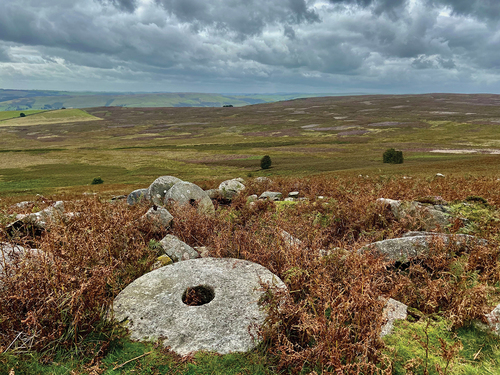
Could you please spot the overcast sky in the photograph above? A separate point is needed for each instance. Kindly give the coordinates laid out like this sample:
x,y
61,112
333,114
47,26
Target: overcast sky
x,y
251,46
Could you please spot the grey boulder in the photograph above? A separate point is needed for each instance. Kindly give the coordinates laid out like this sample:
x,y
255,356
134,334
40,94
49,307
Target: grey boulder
x,y
188,193
137,196
177,250
201,304
230,188
160,187
159,217
271,195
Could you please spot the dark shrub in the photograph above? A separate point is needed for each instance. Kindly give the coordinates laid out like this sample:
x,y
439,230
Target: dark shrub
x,y
22,114
392,156
97,181
265,162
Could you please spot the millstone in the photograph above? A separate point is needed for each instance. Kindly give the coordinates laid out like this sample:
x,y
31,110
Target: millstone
x,y
199,304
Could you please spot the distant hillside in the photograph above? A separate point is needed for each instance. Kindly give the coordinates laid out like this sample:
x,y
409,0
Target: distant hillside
x,y
19,100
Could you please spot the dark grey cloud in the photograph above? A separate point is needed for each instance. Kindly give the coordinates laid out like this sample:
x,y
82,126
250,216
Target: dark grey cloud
x,y
252,45
125,5
379,6
244,17
484,9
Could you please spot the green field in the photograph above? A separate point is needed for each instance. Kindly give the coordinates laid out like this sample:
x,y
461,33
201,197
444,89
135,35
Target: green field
x,y
6,115
130,147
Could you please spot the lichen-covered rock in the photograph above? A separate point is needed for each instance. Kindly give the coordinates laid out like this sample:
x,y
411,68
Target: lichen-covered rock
x,y
225,318
433,216
230,188
177,250
214,193
271,195
493,319
405,248
188,193
159,188
10,252
393,310
38,220
159,217
137,196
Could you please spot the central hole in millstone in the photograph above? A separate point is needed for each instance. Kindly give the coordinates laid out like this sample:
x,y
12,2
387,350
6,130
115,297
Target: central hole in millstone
x,y
198,295
192,202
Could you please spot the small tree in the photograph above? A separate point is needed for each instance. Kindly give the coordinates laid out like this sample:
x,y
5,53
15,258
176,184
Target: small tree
x,y
392,156
265,162
22,114
97,181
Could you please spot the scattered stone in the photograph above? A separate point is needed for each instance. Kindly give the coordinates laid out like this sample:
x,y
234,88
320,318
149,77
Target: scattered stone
x,y
440,175
321,197
23,205
239,179
116,198
405,248
159,217
159,188
10,252
290,240
289,199
38,220
177,250
433,216
201,304
493,319
271,195
393,310
230,188
262,180
214,193
252,198
188,193
293,194
137,196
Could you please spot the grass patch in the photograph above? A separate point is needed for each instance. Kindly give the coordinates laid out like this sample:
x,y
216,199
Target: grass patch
x,y
51,117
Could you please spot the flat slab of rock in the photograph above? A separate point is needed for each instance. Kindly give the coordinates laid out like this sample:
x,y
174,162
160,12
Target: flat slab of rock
x,y
177,250
402,249
152,306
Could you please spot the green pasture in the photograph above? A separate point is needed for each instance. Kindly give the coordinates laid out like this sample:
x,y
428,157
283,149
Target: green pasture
x,y
130,147
6,115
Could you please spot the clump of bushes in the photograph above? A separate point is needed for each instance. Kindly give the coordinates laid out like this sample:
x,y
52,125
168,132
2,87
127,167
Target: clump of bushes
x,y
22,114
97,181
265,162
392,156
